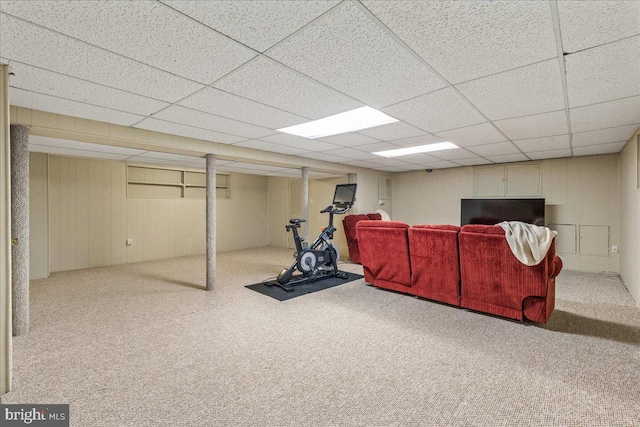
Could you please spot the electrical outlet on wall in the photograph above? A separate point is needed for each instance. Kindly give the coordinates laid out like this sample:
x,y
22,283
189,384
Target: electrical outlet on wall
x,y
129,242
614,248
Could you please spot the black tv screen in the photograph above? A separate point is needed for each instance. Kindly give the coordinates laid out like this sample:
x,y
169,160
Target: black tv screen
x,y
493,211
345,194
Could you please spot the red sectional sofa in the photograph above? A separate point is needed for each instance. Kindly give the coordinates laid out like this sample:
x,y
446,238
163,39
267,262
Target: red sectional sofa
x,y
495,282
349,224
471,267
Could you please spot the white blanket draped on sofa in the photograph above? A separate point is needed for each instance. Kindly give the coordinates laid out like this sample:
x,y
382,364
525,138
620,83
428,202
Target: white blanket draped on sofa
x,y
529,243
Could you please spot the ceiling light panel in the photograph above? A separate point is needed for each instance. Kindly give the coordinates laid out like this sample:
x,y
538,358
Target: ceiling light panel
x,y
537,125
616,113
353,120
272,84
270,146
496,149
85,146
215,101
586,24
186,116
55,84
604,73
37,101
37,46
437,111
551,154
483,133
348,51
263,23
470,39
592,150
504,95
417,149
188,131
604,136
543,144
418,140
378,146
148,32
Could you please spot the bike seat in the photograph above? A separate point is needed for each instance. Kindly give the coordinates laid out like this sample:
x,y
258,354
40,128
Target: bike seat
x,y
297,221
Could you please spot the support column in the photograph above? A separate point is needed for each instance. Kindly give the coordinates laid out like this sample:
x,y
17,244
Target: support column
x,y
305,202
5,235
20,229
211,221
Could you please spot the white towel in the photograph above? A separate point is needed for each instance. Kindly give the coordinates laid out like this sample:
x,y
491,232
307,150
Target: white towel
x,y
529,243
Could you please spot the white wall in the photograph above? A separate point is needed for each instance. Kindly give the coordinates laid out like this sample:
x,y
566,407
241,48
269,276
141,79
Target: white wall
x,y
630,218
38,217
579,190
90,217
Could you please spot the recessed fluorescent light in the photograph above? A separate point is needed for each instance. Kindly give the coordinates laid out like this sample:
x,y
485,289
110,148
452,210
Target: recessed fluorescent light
x,y
418,149
349,121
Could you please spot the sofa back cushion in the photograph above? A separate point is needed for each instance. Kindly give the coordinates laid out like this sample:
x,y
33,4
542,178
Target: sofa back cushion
x,y
349,224
375,216
384,250
435,267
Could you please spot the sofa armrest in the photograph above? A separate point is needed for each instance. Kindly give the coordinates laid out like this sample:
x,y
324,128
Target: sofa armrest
x,y
557,266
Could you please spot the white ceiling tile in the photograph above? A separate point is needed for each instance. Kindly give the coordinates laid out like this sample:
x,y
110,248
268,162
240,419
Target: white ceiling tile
x,y
476,161
419,159
189,117
270,83
300,142
585,24
604,136
443,165
536,88
436,111
605,115
263,23
394,169
613,147
214,101
170,156
495,149
254,166
146,31
508,158
549,154
62,86
75,153
484,133
364,164
348,51
392,131
385,161
379,146
417,140
454,154
604,73
543,144
37,101
350,139
188,131
85,146
270,146
351,153
37,46
468,39
537,125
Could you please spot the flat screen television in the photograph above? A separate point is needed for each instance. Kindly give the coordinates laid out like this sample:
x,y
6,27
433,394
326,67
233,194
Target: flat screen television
x,y
345,195
493,211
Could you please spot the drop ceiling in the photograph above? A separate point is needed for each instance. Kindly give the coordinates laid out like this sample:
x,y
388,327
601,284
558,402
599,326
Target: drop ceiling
x,y
504,80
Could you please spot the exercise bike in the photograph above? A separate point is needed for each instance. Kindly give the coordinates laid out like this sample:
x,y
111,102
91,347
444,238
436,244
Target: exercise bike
x,y
319,260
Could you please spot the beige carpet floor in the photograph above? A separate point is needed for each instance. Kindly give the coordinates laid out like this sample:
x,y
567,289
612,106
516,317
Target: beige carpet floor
x,y
143,345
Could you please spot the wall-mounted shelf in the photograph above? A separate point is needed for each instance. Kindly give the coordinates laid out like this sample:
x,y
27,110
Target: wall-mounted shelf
x,y
149,182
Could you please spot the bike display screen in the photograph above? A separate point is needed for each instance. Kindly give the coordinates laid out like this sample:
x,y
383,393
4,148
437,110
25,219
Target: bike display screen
x,y
345,194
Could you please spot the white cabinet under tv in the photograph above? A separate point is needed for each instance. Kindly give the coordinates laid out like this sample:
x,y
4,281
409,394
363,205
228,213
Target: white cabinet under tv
x,y
517,180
